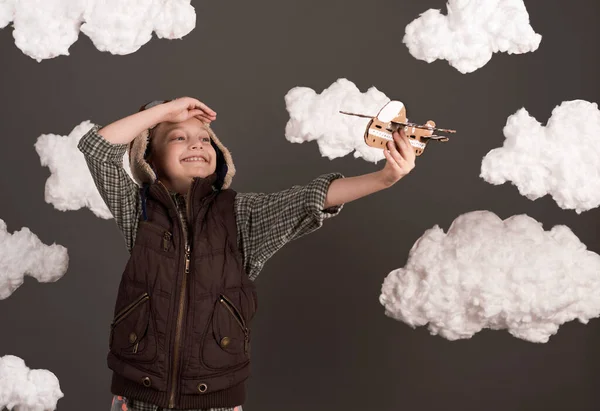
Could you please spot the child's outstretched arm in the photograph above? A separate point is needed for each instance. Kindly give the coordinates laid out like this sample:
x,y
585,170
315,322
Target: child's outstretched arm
x,y
400,160
266,222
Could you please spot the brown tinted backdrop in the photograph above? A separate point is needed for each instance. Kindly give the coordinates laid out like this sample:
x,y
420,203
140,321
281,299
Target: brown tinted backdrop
x,y
321,339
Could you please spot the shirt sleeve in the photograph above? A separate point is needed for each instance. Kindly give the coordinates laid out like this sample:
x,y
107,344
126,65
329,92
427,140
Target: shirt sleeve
x,y
266,222
117,189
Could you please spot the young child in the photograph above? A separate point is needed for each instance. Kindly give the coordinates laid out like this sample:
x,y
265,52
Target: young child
x,y
180,337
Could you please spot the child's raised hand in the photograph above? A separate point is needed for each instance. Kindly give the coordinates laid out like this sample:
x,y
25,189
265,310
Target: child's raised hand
x,y
184,108
400,159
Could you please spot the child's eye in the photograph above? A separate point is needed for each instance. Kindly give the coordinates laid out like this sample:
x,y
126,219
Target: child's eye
x,y
206,139
179,138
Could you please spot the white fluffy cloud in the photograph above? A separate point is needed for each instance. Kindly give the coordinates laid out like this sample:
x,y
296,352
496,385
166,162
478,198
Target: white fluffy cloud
x,y
46,29
24,389
489,273
317,117
561,159
471,32
22,253
70,186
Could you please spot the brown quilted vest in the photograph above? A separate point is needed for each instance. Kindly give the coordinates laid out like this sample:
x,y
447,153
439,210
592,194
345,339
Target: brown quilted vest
x,y
180,337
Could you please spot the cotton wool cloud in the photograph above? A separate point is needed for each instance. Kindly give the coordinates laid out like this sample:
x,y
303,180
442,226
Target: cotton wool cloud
x,y
24,389
22,253
47,29
70,185
561,159
317,117
486,272
471,32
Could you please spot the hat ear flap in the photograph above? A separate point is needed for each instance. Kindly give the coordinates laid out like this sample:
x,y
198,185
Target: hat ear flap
x,y
221,167
147,152
221,173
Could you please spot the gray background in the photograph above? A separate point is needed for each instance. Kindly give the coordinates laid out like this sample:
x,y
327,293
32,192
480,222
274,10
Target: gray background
x,y
321,339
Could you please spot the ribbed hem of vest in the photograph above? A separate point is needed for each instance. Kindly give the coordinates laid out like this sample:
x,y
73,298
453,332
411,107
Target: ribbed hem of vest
x,y
230,397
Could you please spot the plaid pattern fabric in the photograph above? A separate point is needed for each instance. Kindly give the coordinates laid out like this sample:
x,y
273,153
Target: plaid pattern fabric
x,y
117,189
265,222
123,404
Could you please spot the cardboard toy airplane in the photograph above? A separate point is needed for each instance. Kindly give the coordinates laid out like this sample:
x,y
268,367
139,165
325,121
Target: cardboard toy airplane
x,y
393,116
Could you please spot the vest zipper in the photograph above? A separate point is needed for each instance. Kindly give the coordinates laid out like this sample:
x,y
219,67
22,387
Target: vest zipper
x,y
178,329
181,310
238,317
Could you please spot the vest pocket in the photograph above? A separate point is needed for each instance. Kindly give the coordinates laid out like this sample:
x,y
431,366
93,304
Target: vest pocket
x,y
227,341
129,336
224,328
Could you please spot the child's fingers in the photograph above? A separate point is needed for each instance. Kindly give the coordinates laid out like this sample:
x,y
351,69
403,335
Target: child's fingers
x,y
204,119
404,146
401,145
388,156
212,115
204,107
411,153
395,154
195,111
201,115
194,104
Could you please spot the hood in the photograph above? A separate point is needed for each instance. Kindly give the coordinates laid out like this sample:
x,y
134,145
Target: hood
x,y
144,174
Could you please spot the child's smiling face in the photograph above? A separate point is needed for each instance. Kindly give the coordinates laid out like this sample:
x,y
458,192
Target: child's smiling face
x,y
180,152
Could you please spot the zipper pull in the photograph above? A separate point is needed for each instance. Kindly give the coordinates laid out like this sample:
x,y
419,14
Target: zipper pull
x,y
135,347
187,259
246,344
166,240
